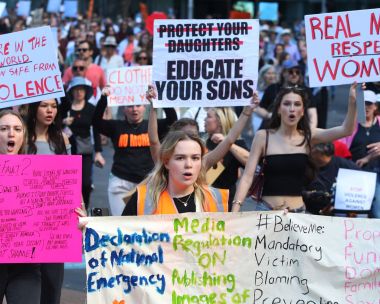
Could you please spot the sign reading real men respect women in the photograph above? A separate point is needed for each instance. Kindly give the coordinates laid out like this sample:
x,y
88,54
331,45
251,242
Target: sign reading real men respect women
x,y
343,47
29,68
227,258
205,62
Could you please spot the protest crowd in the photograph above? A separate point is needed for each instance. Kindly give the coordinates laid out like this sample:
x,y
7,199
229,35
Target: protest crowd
x,y
186,158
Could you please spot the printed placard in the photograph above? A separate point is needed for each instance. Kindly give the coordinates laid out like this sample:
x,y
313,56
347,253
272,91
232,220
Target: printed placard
x,y
248,257
128,85
355,190
37,219
208,62
343,47
29,68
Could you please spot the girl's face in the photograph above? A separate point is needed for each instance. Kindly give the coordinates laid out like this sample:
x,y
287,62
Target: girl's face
x,y
11,134
184,165
270,76
370,109
46,112
79,93
291,109
212,124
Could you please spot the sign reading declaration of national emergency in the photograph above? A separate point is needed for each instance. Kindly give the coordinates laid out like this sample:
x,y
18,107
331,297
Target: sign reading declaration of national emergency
x,y
343,47
29,68
205,62
250,257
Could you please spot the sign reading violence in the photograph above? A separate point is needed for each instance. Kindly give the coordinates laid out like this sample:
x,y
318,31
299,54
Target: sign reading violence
x,y
29,68
205,62
248,257
37,201
128,85
343,47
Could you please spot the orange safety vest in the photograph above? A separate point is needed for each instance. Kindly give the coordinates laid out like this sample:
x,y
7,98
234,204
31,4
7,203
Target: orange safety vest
x,y
217,201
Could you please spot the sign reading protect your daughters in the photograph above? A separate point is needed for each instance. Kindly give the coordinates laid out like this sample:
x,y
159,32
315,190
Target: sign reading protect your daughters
x,y
248,257
205,62
29,68
343,47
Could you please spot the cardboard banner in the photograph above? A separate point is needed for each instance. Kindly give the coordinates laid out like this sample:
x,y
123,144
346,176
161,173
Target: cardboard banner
x,y
343,47
23,8
37,219
355,190
2,8
29,70
53,6
128,85
205,62
246,257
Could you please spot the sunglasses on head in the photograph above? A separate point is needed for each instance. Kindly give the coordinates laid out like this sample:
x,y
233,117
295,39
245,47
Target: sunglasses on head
x,y
294,72
78,68
82,50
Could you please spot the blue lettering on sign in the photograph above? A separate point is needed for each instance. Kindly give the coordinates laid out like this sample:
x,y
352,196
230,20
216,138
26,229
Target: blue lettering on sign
x,y
137,258
127,282
93,240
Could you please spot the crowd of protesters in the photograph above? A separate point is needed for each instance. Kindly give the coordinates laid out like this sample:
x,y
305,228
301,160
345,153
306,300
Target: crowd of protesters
x,y
294,141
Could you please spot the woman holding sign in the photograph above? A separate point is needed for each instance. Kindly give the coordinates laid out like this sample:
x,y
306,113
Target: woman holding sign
x,y
177,183
45,136
286,148
19,283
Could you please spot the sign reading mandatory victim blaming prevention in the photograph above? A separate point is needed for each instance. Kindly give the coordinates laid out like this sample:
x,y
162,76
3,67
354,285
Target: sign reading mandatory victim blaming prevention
x,y
29,68
343,47
205,62
227,258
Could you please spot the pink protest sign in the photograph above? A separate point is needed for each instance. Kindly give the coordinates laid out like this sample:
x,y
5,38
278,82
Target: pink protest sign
x,y
37,219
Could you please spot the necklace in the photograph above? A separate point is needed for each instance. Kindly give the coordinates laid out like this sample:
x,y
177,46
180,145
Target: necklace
x,y
368,129
184,203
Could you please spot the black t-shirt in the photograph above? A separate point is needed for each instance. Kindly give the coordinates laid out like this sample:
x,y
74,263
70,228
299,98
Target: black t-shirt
x,y
362,138
132,160
326,176
131,207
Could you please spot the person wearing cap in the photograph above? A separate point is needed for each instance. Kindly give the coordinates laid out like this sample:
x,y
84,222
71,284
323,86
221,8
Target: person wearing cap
x,y
364,144
109,59
291,76
290,47
77,114
94,73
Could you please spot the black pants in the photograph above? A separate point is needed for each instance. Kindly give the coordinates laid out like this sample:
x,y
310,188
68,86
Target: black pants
x,y
87,161
20,283
51,282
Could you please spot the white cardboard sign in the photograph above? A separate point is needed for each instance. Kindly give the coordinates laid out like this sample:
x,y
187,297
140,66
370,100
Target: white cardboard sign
x,y
29,68
205,62
343,47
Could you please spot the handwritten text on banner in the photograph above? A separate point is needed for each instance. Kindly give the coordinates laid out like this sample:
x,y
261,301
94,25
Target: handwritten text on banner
x,y
37,218
232,258
205,62
29,68
343,47
128,85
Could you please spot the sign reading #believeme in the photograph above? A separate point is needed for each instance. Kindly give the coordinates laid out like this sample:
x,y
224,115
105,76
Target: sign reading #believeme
x,y
343,47
205,62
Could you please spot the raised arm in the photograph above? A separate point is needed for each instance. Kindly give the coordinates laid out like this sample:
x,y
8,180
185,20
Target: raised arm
x,y
245,182
347,127
154,141
221,150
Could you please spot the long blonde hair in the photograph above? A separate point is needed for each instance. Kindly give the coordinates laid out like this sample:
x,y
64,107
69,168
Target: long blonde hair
x,y
3,113
158,179
226,117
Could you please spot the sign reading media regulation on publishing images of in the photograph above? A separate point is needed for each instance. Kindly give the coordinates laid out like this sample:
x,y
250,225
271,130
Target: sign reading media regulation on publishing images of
x,y
205,62
343,47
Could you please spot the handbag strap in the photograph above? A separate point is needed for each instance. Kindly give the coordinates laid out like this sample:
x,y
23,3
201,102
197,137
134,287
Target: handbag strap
x,y
266,144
